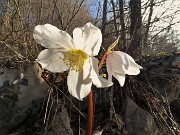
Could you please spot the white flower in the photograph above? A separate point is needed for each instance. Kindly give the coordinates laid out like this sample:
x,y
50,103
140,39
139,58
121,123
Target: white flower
x,y
72,54
118,64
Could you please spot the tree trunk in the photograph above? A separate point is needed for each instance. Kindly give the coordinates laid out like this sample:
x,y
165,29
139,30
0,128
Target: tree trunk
x,y
114,14
145,37
122,36
104,20
135,48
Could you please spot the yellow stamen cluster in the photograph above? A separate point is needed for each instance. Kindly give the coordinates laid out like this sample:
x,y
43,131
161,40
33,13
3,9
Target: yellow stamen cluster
x,y
75,59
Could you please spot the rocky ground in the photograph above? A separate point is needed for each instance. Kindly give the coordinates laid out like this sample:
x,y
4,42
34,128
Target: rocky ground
x,y
148,104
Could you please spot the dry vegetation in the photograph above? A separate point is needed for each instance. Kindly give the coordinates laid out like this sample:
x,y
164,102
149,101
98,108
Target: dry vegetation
x,y
19,17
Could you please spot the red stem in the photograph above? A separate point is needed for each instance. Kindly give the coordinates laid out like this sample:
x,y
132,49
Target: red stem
x,y
102,60
90,114
90,101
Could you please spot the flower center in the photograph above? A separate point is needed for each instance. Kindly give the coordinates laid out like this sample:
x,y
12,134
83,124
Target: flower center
x,y
75,59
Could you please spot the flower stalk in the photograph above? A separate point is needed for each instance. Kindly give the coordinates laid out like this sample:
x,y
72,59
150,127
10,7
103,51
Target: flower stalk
x,y
90,114
90,96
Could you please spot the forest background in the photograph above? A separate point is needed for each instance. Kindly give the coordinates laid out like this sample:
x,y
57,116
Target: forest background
x,y
144,27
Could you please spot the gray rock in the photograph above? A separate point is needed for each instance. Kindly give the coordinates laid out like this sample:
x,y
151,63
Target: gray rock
x,y
12,116
29,88
8,75
165,78
175,61
139,121
61,124
175,107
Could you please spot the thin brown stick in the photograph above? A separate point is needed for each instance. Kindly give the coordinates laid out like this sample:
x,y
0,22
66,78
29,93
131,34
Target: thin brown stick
x,y
90,114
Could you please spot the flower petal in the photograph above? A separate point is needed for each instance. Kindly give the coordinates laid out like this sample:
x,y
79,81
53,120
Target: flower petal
x,y
78,87
88,38
109,69
133,63
129,65
51,37
97,80
122,63
132,71
116,63
52,60
128,58
120,77
86,69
